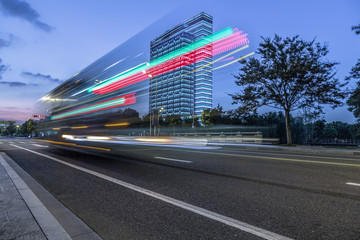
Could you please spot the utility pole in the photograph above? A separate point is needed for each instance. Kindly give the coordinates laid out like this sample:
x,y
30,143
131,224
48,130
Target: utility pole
x,y
150,109
156,113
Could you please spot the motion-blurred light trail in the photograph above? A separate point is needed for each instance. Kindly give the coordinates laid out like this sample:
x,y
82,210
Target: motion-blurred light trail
x,y
224,40
219,35
227,43
111,103
117,124
236,60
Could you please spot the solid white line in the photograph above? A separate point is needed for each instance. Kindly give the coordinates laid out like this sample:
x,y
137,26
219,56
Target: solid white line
x,y
201,211
173,159
38,145
354,184
47,222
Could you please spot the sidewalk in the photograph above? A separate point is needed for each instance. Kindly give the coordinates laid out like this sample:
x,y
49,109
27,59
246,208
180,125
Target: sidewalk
x,y
24,216
299,148
16,220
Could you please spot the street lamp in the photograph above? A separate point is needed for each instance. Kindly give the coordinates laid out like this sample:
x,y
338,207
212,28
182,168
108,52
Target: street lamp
x,y
160,110
151,111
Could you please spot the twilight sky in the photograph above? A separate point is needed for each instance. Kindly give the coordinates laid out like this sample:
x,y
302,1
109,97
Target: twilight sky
x,y
43,43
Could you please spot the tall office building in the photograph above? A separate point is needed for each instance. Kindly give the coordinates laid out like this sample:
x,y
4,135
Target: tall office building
x,y
183,91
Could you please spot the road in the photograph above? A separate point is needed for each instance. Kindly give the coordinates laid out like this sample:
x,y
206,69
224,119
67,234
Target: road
x,y
147,192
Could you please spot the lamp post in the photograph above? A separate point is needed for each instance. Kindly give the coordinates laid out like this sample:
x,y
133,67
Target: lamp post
x,y
161,109
151,113
156,110
150,110
150,121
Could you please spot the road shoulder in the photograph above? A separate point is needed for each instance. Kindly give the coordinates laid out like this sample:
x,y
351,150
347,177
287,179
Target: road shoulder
x,y
55,220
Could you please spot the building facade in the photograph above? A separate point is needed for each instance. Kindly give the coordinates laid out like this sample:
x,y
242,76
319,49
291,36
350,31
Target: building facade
x,y
187,90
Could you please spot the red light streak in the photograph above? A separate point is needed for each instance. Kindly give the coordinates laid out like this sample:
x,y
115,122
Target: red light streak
x,y
233,41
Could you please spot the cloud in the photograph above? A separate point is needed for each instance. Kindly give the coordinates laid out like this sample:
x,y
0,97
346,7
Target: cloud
x,y
14,84
41,77
3,68
6,42
23,10
15,113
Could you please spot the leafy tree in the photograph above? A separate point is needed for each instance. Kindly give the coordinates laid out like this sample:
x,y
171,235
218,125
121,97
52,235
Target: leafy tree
x,y
30,126
27,127
342,129
291,74
216,115
205,117
173,120
235,116
11,129
213,116
318,128
329,131
146,119
4,132
129,113
354,99
131,116
298,130
24,128
355,130
190,121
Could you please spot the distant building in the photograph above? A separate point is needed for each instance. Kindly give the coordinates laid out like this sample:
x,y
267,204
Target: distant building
x,y
182,91
5,123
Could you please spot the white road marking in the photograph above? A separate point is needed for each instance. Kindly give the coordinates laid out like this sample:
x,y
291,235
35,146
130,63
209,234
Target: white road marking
x,y
38,145
173,159
354,184
198,210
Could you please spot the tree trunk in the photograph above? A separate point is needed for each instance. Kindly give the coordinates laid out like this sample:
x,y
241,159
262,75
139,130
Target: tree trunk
x,y
288,127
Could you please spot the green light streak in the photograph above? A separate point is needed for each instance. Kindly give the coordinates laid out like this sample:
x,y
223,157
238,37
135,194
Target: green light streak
x,y
91,108
198,44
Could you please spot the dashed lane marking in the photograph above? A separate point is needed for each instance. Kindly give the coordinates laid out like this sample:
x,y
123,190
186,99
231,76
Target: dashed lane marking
x,y
174,160
192,208
354,184
38,145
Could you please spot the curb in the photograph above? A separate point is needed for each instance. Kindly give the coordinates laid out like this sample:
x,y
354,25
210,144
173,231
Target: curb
x,y
48,224
73,227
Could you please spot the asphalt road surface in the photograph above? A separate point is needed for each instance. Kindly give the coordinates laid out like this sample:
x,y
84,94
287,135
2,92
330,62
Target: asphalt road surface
x,y
148,192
